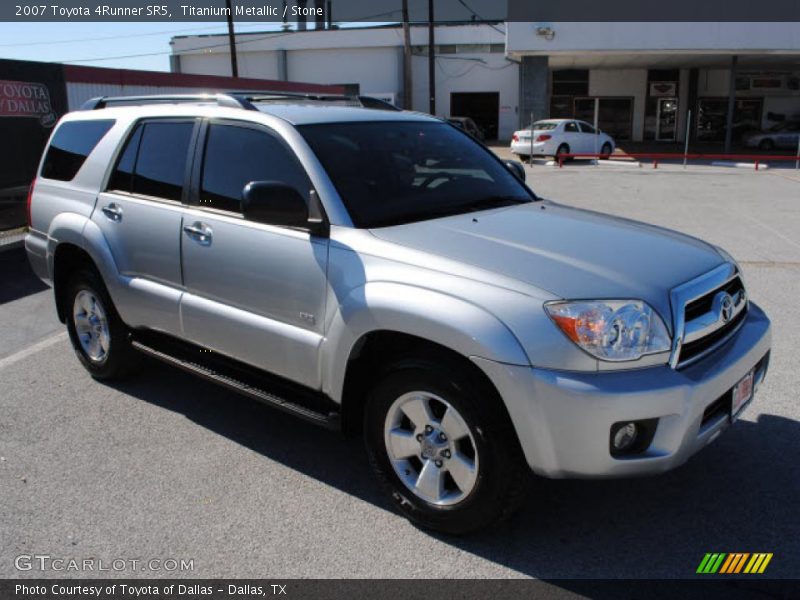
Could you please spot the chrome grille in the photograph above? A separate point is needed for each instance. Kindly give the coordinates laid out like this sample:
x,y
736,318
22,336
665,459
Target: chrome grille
x,y
707,312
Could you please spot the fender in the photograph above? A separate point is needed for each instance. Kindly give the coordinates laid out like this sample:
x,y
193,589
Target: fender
x,y
80,231
432,315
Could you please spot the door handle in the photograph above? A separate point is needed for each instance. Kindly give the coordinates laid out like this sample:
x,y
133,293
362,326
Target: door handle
x,y
113,211
199,232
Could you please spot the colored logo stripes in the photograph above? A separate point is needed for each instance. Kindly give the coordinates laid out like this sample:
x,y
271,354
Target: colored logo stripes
x,y
735,562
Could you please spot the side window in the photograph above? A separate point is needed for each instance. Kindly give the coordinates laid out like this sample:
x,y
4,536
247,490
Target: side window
x,y
122,178
571,127
235,156
161,161
71,145
586,128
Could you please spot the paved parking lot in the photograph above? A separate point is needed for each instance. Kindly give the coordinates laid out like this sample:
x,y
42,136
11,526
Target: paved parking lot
x,y
167,466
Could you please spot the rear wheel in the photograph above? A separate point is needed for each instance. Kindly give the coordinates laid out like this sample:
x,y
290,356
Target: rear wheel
x,y
523,157
445,450
97,333
562,150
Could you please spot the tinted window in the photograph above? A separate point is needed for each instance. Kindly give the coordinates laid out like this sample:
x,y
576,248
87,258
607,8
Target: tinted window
x,y
235,156
161,163
586,128
122,178
71,145
389,173
571,127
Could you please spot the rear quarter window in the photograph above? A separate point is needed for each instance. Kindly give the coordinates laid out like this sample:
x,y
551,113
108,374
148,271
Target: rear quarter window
x,y
70,147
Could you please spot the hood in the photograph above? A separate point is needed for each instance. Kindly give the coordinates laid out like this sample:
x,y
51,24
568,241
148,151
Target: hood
x,y
568,252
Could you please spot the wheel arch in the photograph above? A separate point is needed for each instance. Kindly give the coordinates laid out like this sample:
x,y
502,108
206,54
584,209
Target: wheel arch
x,y
382,321
75,242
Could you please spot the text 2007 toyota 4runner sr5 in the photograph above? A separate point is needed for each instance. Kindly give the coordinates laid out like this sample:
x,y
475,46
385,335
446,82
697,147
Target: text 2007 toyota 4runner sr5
x,y
382,272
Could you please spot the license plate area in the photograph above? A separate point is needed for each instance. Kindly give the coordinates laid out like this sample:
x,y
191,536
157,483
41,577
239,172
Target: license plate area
x,y
742,394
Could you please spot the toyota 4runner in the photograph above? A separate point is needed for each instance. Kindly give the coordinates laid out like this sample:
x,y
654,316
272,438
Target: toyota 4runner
x,y
384,273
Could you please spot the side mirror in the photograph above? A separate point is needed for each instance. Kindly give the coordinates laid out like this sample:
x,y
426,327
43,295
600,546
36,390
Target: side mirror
x,y
274,203
516,168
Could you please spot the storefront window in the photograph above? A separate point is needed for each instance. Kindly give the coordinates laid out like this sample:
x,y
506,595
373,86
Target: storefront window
x,y
713,116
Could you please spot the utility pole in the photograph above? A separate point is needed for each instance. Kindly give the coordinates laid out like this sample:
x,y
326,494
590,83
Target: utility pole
x,y
232,40
431,61
407,83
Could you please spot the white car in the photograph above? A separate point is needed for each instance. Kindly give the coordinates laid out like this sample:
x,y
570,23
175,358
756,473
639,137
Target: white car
x,y
553,137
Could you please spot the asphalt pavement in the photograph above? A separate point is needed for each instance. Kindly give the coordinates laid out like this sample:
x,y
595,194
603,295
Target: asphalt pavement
x,y
167,466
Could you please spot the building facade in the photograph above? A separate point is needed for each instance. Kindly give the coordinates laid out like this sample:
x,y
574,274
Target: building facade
x,y
648,82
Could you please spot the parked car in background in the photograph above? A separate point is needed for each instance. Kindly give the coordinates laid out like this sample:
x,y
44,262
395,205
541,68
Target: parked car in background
x,y
553,137
467,125
783,135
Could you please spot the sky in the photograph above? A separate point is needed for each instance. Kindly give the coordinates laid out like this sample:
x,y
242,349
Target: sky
x,y
99,45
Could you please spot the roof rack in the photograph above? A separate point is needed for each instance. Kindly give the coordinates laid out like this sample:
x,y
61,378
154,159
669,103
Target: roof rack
x,y
244,99
221,99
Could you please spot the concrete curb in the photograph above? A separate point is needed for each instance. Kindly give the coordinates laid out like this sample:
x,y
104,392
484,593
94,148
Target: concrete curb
x,y
12,239
739,165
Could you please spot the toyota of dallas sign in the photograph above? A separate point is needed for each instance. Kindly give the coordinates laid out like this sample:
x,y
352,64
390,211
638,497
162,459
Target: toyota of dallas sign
x,y
26,99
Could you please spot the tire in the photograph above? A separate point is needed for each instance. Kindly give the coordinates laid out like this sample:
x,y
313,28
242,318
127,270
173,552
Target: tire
x,y
606,151
562,149
99,337
480,434
766,145
523,158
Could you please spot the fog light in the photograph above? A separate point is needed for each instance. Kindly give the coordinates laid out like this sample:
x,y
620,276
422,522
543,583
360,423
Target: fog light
x,y
625,436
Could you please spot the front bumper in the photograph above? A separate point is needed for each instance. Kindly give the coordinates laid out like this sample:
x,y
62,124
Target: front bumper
x,y
563,419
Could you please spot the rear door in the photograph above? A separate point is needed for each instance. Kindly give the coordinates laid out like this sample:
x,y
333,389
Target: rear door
x,y
590,142
573,137
140,216
254,292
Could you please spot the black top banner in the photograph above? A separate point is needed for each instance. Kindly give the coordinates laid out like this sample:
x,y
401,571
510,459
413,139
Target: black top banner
x,y
293,11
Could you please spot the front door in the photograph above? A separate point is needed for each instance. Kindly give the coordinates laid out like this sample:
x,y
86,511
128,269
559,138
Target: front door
x,y
666,119
254,292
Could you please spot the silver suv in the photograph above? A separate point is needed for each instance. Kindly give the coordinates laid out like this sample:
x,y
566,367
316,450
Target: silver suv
x,y
382,272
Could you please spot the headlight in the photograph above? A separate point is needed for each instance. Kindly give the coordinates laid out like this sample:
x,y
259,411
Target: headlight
x,y
613,330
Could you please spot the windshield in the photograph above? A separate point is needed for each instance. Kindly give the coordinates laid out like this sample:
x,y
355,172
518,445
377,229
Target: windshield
x,y
388,173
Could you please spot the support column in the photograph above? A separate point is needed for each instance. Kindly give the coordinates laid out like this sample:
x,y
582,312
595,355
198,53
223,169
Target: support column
x,y
283,66
731,104
534,89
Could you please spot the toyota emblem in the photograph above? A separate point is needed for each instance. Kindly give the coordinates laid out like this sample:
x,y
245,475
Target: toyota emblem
x,y
725,306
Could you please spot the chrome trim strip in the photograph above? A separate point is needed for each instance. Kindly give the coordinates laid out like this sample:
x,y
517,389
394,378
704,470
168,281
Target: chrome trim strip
x,y
711,349
685,293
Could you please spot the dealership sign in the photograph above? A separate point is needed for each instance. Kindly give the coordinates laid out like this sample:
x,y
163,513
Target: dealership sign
x,y
26,99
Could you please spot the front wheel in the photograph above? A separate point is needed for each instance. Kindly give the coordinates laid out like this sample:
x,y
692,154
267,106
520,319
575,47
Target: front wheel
x,y
444,447
97,333
606,151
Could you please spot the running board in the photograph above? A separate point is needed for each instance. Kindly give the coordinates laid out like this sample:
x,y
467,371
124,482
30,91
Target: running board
x,y
329,420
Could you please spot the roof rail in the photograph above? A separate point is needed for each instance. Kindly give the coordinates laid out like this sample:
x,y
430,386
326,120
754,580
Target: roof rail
x,y
239,99
363,101
228,100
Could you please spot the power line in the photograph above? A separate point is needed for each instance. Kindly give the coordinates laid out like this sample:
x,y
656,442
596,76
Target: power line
x,y
208,47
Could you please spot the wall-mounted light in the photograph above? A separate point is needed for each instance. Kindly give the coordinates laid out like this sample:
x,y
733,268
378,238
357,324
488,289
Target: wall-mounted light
x,y
546,32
